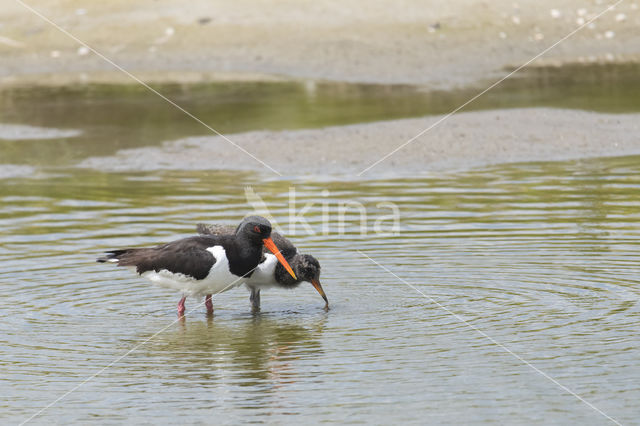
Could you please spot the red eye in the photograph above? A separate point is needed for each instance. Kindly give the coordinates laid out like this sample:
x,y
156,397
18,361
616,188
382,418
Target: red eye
x,y
257,229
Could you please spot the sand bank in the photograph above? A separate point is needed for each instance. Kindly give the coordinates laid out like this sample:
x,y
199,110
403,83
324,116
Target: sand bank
x,y
466,140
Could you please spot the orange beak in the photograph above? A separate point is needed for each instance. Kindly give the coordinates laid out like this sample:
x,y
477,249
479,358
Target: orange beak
x,y
268,243
317,286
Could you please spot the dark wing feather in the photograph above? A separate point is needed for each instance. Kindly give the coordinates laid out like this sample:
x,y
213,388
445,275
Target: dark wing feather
x,y
187,256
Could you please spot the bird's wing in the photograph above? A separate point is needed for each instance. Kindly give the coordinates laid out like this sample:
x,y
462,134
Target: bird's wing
x,y
188,256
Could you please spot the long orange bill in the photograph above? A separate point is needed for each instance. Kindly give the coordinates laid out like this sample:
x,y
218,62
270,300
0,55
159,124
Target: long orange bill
x,y
317,286
268,243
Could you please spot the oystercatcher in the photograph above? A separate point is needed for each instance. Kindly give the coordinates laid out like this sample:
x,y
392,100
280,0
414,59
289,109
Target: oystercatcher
x,y
206,264
270,273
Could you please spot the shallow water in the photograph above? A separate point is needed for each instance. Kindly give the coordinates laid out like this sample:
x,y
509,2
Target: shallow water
x,y
115,117
540,259
543,258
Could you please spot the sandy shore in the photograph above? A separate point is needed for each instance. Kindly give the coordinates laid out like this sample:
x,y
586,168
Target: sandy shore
x,y
431,43
415,41
464,141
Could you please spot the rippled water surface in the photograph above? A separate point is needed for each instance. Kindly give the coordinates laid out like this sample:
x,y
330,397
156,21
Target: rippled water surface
x,y
503,291
542,258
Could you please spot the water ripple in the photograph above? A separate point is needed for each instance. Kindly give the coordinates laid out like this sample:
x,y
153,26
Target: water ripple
x,y
543,258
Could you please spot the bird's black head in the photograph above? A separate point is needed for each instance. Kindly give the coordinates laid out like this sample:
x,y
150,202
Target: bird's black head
x,y
307,268
255,228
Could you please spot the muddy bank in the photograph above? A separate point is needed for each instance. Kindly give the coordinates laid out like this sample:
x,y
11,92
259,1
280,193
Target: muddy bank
x,y
466,140
439,44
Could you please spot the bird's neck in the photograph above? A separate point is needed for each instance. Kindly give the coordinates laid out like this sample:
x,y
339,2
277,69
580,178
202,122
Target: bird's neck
x,y
283,277
248,255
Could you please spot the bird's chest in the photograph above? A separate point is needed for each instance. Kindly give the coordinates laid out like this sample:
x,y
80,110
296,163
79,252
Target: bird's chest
x,y
243,262
264,274
234,262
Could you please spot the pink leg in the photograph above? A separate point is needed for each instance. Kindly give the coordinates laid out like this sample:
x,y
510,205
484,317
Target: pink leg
x,y
181,307
208,304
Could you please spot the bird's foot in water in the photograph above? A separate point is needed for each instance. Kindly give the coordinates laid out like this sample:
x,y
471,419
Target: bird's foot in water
x,y
208,304
255,300
181,307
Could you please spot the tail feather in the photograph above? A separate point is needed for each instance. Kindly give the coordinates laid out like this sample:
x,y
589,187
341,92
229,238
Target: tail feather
x,y
113,256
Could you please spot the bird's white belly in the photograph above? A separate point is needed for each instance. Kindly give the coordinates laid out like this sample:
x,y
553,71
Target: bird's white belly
x,y
218,280
264,274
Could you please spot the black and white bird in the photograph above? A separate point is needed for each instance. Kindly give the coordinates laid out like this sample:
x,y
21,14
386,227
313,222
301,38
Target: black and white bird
x,y
205,264
270,273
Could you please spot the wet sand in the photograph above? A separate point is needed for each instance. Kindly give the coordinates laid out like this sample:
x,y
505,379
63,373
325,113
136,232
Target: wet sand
x,y
466,140
439,44
433,44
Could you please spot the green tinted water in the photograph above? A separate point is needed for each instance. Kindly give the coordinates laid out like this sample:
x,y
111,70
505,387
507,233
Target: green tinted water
x,y
543,258
120,117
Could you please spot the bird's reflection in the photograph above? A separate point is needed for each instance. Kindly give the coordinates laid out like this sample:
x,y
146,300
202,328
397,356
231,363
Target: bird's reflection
x,y
256,351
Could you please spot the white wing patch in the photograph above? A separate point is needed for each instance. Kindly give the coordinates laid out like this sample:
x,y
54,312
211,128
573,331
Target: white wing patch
x,y
218,280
